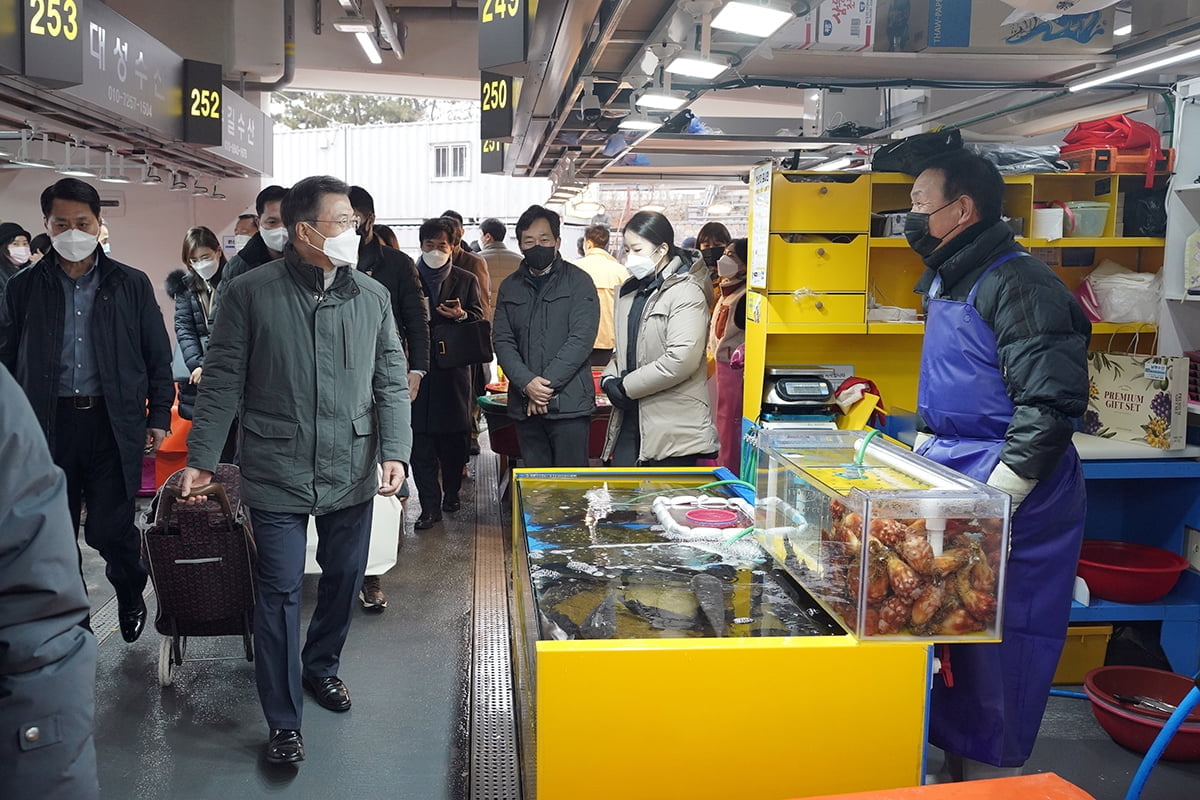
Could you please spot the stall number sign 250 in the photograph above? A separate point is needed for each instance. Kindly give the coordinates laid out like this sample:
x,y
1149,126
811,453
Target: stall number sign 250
x,y
495,95
54,18
499,9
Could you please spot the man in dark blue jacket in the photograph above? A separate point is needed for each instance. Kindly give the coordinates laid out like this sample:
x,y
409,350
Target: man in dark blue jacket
x,y
47,654
547,315
84,337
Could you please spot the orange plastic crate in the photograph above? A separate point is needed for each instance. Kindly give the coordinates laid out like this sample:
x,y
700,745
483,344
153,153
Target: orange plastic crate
x,y
1112,159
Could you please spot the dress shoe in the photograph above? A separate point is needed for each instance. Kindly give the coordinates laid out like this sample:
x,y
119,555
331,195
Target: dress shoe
x,y
285,747
427,520
132,618
329,692
451,504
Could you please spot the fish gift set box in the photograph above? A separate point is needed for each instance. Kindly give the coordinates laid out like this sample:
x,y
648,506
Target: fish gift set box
x,y
989,26
893,545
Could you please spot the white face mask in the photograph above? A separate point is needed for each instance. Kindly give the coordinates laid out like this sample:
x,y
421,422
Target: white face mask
x,y
639,266
74,245
727,267
106,247
275,238
18,253
342,249
435,259
206,268
241,240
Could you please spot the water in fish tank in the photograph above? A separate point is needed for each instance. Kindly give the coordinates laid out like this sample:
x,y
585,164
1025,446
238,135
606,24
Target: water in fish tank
x,y
661,558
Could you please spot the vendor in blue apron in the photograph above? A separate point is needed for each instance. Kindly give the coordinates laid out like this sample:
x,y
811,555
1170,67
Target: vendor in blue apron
x,y
1003,375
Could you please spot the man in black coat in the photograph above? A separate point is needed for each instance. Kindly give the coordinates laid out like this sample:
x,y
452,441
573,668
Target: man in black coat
x,y
397,272
84,337
266,245
47,653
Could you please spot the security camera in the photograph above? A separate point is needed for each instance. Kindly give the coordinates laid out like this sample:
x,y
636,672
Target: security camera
x,y
590,109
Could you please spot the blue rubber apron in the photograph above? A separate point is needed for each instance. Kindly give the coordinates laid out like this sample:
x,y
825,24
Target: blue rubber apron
x,y
993,711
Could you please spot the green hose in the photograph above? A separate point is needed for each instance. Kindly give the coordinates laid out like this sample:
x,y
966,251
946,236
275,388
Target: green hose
x,y
861,451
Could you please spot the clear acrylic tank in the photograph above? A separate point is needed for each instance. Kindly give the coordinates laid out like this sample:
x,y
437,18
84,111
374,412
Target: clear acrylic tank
x,y
892,544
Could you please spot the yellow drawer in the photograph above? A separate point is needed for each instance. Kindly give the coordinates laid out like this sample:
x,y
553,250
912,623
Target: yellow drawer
x,y
817,266
816,312
820,202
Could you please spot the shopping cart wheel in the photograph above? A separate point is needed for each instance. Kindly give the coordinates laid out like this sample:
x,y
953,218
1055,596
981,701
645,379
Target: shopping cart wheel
x,y
164,662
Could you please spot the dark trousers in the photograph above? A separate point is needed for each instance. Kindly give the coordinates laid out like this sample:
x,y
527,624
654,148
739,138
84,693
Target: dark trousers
x,y
85,449
343,538
553,442
434,455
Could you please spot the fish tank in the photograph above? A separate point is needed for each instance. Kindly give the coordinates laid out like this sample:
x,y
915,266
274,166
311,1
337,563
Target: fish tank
x,y
893,545
662,554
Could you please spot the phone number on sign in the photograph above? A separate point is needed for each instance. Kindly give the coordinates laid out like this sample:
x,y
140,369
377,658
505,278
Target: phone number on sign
x,y
122,98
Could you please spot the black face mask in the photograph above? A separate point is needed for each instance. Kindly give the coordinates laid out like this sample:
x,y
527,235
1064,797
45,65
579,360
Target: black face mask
x,y
540,256
916,231
712,255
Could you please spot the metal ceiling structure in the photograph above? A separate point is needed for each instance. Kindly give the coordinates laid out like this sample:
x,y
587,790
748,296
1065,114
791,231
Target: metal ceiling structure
x,y
610,44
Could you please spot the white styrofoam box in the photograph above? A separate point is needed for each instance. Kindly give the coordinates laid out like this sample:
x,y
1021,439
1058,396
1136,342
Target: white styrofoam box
x,y
845,25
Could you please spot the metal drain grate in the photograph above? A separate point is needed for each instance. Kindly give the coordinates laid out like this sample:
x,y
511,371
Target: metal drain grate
x,y
495,768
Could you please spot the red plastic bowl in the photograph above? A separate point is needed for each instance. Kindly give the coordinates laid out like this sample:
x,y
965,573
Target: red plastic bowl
x,y
1136,728
1129,573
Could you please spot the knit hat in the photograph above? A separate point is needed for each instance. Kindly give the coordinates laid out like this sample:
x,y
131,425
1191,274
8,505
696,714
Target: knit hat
x,y
10,231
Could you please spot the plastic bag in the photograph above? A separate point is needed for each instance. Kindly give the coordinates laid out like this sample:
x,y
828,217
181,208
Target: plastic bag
x,y
914,154
1012,160
1125,295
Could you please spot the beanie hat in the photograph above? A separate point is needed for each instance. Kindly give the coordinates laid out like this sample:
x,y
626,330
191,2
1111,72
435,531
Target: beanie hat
x,y
10,231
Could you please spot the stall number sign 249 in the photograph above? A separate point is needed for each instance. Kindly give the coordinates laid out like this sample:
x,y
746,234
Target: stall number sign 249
x,y
54,18
499,9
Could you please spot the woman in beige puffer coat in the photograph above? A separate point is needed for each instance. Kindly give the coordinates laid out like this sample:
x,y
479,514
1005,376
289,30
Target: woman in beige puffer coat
x,y
656,378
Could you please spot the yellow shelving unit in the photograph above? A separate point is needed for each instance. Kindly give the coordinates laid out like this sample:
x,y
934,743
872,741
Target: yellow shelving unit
x,y
815,270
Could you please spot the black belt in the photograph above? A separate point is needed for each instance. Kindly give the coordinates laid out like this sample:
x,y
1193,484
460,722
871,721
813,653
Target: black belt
x,y
82,402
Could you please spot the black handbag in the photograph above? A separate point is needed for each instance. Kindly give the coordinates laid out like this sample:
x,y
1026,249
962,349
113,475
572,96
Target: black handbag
x,y
461,343
915,154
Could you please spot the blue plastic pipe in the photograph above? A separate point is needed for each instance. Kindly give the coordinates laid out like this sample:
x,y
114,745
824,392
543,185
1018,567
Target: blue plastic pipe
x,y
1162,740
1065,693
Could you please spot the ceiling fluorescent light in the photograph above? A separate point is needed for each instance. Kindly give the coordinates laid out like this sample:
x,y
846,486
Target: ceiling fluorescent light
x,y
660,100
692,65
114,176
655,207
1173,56
752,19
834,165
354,25
78,170
368,45
350,5
720,210
639,122
1124,30
23,159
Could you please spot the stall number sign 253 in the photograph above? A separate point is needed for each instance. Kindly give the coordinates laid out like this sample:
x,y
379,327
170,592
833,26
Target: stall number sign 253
x,y
499,9
206,103
54,18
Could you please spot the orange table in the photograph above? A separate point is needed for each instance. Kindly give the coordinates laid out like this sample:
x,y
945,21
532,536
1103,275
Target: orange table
x,y
1044,786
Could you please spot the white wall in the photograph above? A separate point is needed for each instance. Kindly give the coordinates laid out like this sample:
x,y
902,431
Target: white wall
x,y
148,231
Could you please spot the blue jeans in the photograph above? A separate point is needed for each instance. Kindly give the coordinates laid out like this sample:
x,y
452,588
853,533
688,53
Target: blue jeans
x,y
343,538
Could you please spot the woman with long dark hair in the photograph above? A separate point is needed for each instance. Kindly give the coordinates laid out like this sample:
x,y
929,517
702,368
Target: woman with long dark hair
x,y
656,379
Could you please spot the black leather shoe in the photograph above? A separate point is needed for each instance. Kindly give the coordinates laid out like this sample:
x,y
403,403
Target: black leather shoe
x,y
285,747
451,504
132,619
427,520
329,692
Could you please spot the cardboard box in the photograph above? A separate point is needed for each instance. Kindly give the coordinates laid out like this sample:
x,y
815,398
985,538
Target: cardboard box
x,y
981,26
833,25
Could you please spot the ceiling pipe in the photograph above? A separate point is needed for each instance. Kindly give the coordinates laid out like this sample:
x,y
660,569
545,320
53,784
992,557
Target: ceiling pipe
x,y
289,55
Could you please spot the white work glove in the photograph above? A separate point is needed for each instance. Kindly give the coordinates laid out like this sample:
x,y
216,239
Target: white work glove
x,y
1011,483
919,442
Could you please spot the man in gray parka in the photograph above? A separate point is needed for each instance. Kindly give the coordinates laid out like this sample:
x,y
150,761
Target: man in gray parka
x,y
310,347
47,653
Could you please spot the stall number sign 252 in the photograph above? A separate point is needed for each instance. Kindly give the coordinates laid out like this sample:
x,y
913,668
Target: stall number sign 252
x,y
54,18
206,103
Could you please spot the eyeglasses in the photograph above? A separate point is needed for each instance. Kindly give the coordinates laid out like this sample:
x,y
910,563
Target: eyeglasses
x,y
343,224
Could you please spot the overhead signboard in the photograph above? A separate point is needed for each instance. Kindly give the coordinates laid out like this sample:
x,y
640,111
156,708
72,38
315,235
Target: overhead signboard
x,y
11,33
491,158
246,133
128,72
504,34
202,102
497,99
53,34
